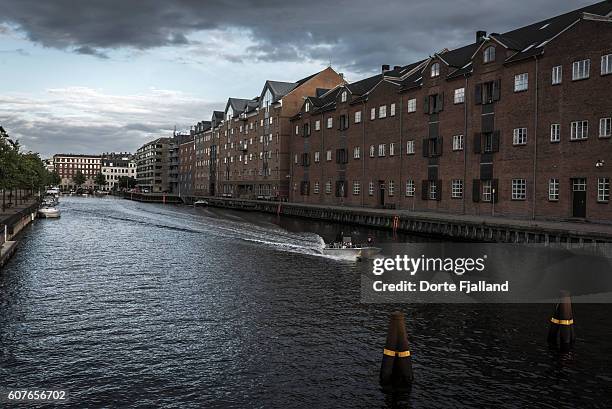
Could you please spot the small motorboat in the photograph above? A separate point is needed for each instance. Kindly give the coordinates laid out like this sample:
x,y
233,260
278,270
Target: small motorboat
x,y
348,250
200,203
49,212
50,200
53,191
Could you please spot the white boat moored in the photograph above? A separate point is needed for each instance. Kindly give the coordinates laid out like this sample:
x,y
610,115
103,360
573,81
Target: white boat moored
x,y
49,212
200,203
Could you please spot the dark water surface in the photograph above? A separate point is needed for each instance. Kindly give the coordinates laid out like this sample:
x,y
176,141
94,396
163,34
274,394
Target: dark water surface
x,y
136,305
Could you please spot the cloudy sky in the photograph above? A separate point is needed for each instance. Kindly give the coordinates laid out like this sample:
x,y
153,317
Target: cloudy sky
x,y
108,75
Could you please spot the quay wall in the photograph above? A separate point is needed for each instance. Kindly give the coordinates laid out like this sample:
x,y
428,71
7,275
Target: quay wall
x,y
11,226
437,225
151,197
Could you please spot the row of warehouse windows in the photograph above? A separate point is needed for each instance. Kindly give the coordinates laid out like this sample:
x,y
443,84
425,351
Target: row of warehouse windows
x,y
580,71
578,131
483,190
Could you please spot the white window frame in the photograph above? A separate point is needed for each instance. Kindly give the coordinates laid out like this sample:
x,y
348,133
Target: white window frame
x,y
357,152
356,187
606,64
581,69
392,149
317,156
328,187
307,107
487,191
605,127
433,190
316,188
372,114
458,142
318,125
412,102
330,122
456,188
371,189
579,130
459,97
343,96
555,133
392,109
557,75
297,129
519,136
391,188
372,151
519,189
435,70
603,189
553,190
381,150
521,82
410,147
410,188
357,117
382,111
488,54
328,156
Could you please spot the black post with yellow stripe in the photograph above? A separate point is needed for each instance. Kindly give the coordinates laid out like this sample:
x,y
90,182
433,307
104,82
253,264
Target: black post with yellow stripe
x,y
561,332
396,368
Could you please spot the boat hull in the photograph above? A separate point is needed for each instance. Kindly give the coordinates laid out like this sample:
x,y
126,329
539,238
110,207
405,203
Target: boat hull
x,y
357,253
48,213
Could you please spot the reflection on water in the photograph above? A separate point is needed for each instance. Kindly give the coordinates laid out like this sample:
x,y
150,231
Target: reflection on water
x,y
139,305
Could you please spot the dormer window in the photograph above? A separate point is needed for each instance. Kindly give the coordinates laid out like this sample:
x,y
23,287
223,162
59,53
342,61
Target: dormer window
x,y
435,70
343,96
230,113
267,99
307,107
488,55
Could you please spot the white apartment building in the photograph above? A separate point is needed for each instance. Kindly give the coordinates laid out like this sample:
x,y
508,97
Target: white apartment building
x,y
115,166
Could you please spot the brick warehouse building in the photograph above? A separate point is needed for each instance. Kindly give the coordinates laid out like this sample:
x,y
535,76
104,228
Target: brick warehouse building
x,y
67,166
245,152
515,124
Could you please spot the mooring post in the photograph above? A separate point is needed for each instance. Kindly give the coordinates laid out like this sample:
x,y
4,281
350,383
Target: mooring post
x,y
561,331
396,368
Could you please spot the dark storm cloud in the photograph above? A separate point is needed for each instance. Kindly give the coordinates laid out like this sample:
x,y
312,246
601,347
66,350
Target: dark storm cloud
x,y
97,122
358,34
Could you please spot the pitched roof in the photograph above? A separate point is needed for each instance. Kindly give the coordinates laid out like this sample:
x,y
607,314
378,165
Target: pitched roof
x,y
364,85
280,89
528,40
238,105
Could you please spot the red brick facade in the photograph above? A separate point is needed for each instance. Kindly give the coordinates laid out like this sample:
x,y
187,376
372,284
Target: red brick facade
x,y
492,157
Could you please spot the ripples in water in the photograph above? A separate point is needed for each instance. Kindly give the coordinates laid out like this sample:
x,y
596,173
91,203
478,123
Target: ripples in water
x,y
138,305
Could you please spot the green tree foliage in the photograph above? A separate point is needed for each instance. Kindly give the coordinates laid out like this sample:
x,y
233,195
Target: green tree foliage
x,y
78,178
126,182
100,179
20,170
55,178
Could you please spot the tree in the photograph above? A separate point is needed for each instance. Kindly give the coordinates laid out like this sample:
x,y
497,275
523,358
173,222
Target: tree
x,y
54,178
126,182
19,171
78,178
100,179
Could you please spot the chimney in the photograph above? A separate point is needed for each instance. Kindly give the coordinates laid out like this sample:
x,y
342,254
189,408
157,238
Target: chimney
x,y
480,35
397,67
385,67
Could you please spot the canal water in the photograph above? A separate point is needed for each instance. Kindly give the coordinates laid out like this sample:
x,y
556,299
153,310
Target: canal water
x,y
125,304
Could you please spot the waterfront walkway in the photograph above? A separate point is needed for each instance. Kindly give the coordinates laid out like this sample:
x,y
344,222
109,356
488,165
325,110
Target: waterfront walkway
x,y
11,217
488,228
550,225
